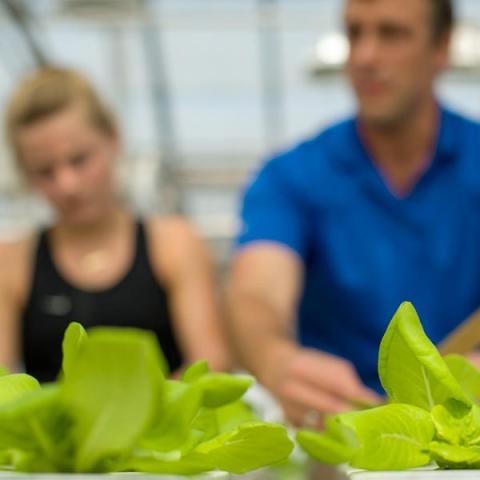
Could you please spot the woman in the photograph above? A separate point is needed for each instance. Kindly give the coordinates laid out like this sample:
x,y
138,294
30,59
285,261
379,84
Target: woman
x,y
97,264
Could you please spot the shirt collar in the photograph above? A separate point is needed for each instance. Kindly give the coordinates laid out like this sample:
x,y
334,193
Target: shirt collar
x,y
445,149
447,139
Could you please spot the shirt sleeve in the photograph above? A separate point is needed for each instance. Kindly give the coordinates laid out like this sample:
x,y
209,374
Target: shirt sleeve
x,y
273,211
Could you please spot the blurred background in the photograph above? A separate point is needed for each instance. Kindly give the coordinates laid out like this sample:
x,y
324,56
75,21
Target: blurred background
x,y
204,90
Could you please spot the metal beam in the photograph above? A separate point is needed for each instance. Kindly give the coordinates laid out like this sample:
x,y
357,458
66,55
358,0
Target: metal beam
x,y
271,72
19,15
169,191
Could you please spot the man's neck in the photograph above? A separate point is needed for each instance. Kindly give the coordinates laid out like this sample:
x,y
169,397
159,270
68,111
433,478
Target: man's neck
x,y
402,152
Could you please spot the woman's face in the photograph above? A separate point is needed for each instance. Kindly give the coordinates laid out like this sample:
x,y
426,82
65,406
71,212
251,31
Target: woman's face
x,y
71,163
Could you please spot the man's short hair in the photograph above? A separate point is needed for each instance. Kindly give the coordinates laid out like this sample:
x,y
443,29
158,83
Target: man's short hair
x,y
443,18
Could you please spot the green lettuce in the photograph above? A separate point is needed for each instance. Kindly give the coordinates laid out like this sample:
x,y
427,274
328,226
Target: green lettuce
x,y
113,409
410,368
431,415
466,374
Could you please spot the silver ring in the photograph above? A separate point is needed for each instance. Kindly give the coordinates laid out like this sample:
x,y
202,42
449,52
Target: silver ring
x,y
311,419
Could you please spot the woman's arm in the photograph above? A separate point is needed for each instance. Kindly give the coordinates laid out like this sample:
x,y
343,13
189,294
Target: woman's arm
x,y
184,266
14,258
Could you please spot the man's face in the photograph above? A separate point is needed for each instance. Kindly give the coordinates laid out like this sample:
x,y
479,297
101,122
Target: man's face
x,y
394,58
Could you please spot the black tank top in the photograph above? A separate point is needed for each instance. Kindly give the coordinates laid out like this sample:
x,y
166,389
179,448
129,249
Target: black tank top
x,y
137,300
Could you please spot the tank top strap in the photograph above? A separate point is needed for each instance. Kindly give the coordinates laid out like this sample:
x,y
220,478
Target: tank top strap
x,y
141,247
42,247
43,262
141,264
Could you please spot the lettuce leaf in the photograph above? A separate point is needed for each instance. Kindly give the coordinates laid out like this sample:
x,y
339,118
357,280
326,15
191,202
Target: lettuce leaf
x,y
112,390
411,369
466,374
455,456
248,447
74,338
392,437
112,410
434,415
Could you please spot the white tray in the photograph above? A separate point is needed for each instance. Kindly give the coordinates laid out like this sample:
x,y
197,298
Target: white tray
x,y
417,474
112,476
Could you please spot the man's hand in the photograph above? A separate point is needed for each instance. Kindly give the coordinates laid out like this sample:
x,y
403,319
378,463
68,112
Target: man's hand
x,y
474,357
266,284
309,384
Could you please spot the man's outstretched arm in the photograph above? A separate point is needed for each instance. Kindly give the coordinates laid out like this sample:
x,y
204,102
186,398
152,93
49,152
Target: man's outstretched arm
x,y
264,289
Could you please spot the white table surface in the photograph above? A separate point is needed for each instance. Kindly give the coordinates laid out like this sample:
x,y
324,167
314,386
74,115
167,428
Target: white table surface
x,y
113,476
417,475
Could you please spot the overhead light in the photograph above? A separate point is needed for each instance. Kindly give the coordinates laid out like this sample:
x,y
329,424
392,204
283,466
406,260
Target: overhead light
x,y
465,52
331,51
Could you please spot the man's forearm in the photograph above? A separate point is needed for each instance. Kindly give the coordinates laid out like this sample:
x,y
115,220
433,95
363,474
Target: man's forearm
x,y
261,336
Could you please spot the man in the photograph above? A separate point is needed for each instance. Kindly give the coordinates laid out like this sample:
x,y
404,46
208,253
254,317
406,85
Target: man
x,y
382,208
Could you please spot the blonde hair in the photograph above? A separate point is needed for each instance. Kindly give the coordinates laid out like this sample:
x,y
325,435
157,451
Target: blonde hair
x,y
50,90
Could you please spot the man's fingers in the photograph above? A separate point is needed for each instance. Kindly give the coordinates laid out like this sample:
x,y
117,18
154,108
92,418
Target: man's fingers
x,y
301,417
295,414
474,357
334,375
368,397
312,398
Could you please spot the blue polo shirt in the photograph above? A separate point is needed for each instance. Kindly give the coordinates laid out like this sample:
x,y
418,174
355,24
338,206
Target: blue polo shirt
x,y
366,250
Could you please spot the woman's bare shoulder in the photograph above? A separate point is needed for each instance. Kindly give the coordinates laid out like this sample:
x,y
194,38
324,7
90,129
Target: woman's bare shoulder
x,y
173,240
171,226
16,258
18,248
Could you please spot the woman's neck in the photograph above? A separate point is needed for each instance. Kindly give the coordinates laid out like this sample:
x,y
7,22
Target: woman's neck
x,y
103,227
